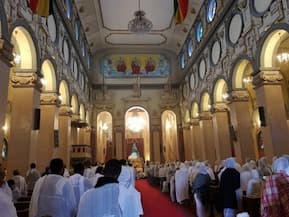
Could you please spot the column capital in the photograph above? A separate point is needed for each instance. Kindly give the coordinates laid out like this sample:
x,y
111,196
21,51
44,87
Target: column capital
x,y
267,76
75,118
49,98
64,110
6,49
239,96
220,107
26,79
186,126
195,122
206,115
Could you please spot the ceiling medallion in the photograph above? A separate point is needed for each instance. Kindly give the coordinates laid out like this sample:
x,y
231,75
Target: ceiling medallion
x,y
140,24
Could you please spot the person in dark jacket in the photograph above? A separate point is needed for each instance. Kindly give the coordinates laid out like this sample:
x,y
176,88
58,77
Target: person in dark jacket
x,y
229,183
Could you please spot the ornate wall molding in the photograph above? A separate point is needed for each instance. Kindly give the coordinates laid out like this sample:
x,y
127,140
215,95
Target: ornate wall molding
x,y
49,98
64,110
239,96
195,122
206,116
220,107
25,79
268,77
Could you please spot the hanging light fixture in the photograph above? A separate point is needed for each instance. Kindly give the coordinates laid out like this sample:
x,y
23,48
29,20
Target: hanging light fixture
x,y
140,24
135,123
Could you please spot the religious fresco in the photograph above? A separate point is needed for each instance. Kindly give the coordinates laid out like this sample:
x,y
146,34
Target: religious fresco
x,y
130,65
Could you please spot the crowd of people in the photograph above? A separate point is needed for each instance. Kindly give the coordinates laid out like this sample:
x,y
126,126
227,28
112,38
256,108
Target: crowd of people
x,y
219,190
97,191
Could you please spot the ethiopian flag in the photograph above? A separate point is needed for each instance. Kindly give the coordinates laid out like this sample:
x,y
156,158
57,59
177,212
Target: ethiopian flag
x,y
181,9
40,7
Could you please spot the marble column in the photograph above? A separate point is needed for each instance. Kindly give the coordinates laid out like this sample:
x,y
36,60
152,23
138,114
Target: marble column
x,y
221,127
23,138
187,142
156,144
198,142
241,119
206,125
119,142
47,140
63,150
269,96
5,65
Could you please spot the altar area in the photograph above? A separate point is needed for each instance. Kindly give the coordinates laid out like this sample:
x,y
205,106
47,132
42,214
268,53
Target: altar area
x,y
135,155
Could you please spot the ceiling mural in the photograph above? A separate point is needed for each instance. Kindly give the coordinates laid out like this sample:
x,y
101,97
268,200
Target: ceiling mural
x,y
130,65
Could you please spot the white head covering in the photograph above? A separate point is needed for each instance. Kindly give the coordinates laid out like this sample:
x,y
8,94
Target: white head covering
x,y
230,162
281,164
255,174
125,176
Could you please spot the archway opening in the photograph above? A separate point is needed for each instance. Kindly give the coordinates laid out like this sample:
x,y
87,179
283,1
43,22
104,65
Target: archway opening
x,y
49,78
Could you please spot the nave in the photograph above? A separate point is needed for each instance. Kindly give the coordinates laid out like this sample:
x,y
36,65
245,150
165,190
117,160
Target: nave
x,y
158,204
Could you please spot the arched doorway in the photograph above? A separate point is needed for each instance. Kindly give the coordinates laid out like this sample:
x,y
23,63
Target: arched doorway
x,y
104,149
169,133
137,132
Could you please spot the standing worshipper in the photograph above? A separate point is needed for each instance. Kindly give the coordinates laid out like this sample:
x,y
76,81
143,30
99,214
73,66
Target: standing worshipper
x,y
98,173
103,199
79,183
20,183
245,176
229,184
32,176
6,205
275,195
182,184
129,197
53,194
200,187
254,185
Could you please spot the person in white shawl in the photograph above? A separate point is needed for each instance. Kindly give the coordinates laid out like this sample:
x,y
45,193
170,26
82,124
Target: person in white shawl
x,y
129,198
79,183
53,194
182,184
6,205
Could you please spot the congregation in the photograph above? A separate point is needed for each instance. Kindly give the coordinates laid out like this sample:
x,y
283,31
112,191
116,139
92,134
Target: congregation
x,y
109,190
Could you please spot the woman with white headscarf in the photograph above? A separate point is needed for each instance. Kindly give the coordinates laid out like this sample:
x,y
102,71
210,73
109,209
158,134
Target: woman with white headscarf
x,y
129,198
201,191
182,184
230,182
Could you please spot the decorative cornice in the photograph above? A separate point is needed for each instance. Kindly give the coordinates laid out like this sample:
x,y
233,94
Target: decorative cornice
x,y
239,96
25,79
206,116
49,98
220,107
64,110
75,118
6,52
195,122
268,77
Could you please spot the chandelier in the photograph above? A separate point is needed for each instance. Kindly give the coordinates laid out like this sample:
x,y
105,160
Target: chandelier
x,y
139,24
283,57
135,123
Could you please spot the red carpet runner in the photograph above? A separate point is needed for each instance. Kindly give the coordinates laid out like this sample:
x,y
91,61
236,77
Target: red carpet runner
x,y
158,204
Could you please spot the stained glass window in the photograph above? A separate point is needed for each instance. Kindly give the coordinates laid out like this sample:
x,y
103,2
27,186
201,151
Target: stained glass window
x,y
211,10
199,31
190,47
68,8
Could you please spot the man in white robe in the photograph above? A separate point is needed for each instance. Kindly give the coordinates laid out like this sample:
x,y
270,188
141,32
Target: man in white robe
x,y
20,183
7,207
79,183
102,201
182,184
32,176
53,195
129,197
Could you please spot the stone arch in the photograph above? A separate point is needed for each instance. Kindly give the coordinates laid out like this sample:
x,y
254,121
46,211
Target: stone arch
x,y
49,75
220,91
82,112
195,110
64,93
25,50
205,102
74,105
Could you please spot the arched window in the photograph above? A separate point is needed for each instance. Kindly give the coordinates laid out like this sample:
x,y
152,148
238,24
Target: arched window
x,y
190,47
211,10
199,31
68,8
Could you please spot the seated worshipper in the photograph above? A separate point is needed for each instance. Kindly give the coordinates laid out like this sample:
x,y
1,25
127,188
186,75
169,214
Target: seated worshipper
x,y
53,194
79,183
254,185
229,184
129,197
102,201
15,190
20,183
275,195
200,187
182,184
7,208
98,173
32,176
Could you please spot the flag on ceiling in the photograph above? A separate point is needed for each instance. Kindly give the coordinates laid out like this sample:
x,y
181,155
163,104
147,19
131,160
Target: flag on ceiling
x,y
181,9
40,7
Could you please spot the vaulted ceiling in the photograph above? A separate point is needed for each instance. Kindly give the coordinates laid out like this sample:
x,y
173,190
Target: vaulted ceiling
x,y
106,27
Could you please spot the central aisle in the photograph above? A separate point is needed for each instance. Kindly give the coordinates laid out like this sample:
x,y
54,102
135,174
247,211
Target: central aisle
x,y
158,204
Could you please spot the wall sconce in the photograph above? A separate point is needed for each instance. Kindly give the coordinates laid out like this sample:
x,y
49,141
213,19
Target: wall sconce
x,y
5,128
60,98
104,126
43,82
209,107
225,96
16,59
283,57
247,80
